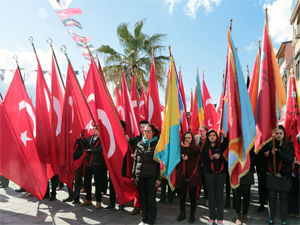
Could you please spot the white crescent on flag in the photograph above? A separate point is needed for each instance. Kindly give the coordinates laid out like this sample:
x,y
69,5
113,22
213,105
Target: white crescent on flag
x,y
57,109
103,117
151,109
71,104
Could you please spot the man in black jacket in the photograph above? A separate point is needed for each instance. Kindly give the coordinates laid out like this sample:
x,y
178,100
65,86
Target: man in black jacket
x,y
95,166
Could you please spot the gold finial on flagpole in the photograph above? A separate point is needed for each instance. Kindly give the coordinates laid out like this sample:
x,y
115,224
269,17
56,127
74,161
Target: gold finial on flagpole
x,y
230,26
197,70
170,50
259,43
63,48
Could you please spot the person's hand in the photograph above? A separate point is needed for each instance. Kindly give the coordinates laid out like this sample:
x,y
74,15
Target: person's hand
x,y
132,155
223,133
184,157
274,151
184,144
127,137
216,156
157,183
266,154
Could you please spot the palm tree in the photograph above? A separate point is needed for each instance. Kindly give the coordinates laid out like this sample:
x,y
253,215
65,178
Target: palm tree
x,y
136,57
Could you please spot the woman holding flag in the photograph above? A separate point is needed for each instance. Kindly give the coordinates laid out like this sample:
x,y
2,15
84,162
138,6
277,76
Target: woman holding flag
x,y
188,174
279,173
214,173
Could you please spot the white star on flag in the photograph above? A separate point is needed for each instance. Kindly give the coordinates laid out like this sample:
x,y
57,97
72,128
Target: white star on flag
x,y
24,137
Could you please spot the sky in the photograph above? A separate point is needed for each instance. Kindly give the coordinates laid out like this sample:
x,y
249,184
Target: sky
x,y
196,31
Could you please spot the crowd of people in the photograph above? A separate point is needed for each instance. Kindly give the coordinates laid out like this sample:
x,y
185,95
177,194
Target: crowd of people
x,y
203,165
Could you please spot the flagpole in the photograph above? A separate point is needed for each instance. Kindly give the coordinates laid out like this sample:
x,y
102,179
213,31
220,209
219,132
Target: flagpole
x,y
1,96
16,58
49,40
63,49
83,72
273,142
104,85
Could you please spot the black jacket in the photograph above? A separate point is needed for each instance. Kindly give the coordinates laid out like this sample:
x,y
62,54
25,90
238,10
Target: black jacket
x,y
217,163
143,163
286,155
95,153
134,141
79,148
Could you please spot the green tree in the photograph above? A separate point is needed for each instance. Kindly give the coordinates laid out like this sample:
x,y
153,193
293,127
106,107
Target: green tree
x,y
136,57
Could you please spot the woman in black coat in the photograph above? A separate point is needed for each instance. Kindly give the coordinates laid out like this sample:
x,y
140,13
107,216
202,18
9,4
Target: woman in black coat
x,y
279,181
146,173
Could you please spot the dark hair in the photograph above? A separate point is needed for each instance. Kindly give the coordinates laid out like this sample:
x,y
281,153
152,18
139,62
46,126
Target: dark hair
x,y
204,127
123,124
143,122
155,130
96,125
207,142
285,140
193,137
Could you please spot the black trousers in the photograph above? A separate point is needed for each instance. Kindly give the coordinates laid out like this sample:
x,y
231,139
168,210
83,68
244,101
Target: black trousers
x,y
147,193
183,191
78,184
163,193
54,184
89,172
294,196
242,190
4,181
262,189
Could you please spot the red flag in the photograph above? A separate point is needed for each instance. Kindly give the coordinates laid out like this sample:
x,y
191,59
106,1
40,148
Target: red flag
x,y
113,142
211,118
74,118
181,88
132,128
56,117
191,109
292,117
134,100
22,165
195,123
270,93
88,90
119,104
154,115
68,13
43,105
143,105
254,83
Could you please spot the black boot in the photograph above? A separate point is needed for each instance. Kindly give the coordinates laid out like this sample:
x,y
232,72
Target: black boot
x,y
181,216
192,217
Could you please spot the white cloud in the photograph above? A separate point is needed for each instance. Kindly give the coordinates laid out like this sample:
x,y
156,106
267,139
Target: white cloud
x,y
171,4
279,20
192,6
27,61
251,47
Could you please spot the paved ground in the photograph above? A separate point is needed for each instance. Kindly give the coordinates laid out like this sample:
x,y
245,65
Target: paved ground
x,y
15,209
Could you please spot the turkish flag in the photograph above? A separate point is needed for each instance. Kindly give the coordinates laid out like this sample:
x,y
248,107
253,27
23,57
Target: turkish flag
x,y
88,90
43,104
154,115
74,118
134,101
68,13
131,125
211,118
114,143
143,105
20,161
119,104
56,117
194,122
292,117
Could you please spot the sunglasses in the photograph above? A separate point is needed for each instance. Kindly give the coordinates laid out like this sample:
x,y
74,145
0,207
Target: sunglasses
x,y
147,131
